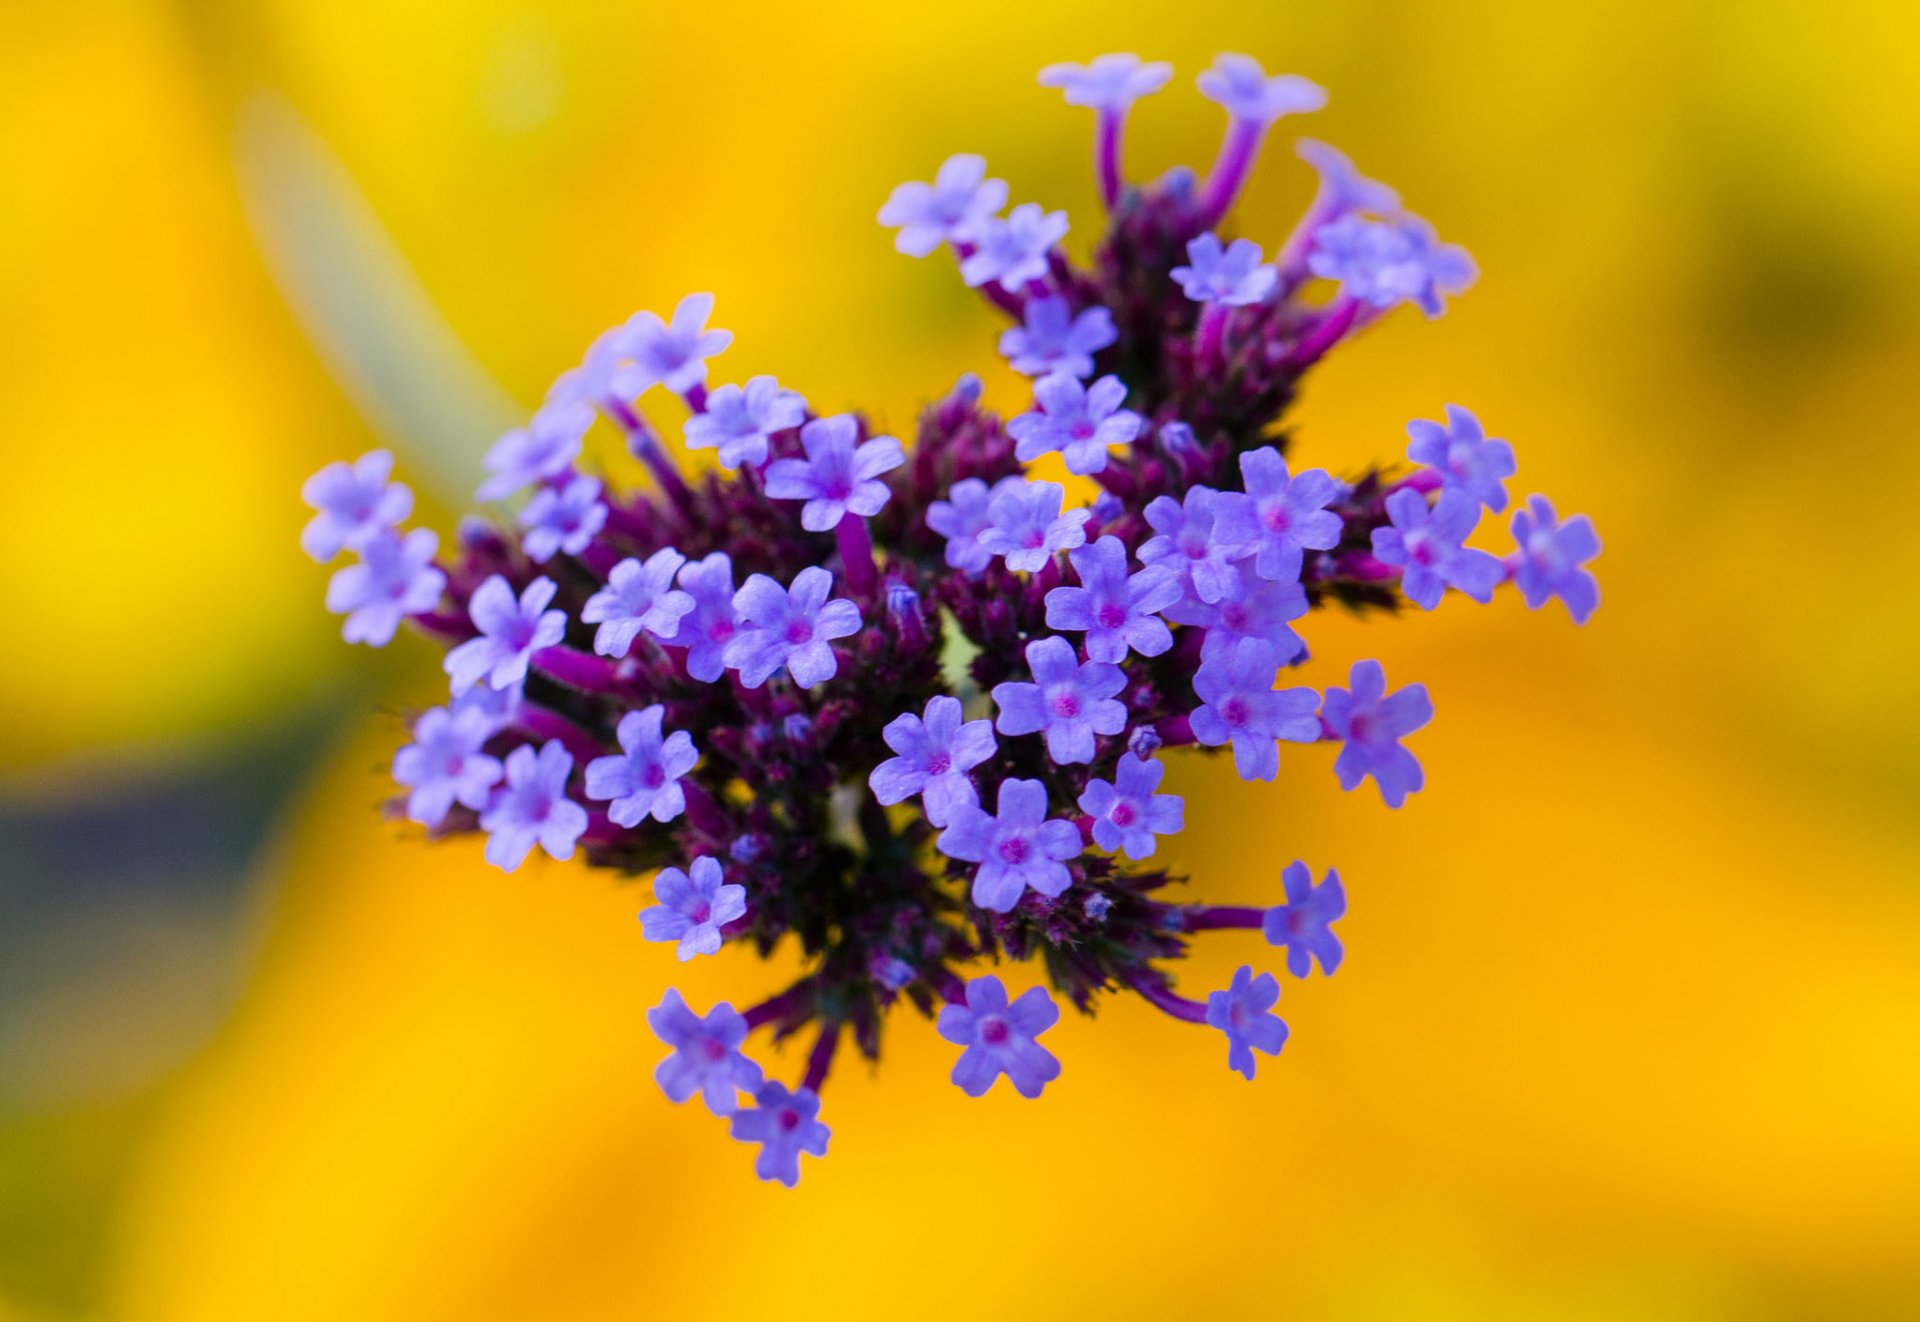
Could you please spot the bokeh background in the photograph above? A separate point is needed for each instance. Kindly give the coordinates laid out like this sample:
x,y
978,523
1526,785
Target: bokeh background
x,y
1631,1023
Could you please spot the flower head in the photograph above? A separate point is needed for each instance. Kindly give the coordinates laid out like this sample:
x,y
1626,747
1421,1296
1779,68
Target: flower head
x,y
693,909
1290,513
1426,541
949,210
564,519
785,1124
643,780
356,504
1109,82
1118,612
1550,558
544,449
706,1056
1014,250
1070,700
639,596
1304,924
446,763
1243,88
999,1038
791,627
1026,526
1053,338
933,754
510,633
1240,706
1127,813
837,477
395,578
739,419
1018,847
1372,723
1231,276
706,629
1081,421
1200,538
532,808
1244,1013
1466,460
673,354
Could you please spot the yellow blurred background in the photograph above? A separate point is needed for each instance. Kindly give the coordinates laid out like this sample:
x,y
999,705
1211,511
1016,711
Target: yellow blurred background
x,y
1630,1026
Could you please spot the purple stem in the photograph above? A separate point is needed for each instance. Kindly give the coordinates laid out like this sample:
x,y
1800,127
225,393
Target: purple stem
x,y
541,725
703,813
778,1007
696,396
578,670
1216,917
647,448
820,1059
1423,480
1175,732
443,624
1154,988
1107,154
1337,321
856,554
1291,260
1363,568
1213,330
1230,168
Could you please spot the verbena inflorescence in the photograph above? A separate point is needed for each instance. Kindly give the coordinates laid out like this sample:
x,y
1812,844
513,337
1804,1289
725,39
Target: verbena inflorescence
x,y
904,707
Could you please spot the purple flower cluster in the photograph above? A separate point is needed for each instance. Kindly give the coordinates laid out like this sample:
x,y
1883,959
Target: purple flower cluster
x,y
900,711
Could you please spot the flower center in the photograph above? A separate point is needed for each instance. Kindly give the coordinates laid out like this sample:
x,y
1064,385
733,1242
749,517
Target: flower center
x,y
787,1119
1276,518
654,776
1123,814
713,1049
701,912
994,1031
1066,705
1112,615
1082,430
1234,712
1234,616
1015,849
939,764
800,632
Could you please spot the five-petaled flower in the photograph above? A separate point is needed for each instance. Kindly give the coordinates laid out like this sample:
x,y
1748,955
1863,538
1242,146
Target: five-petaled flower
x,y
563,519
1257,608
1304,924
1230,276
1245,90
785,1124
1053,338
739,420
510,633
1117,611
533,808
1082,422
544,449
447,763
706,1056
638,596
962,517
672,354
1127,812
356,503
1069,700
711,624
1200,537
693,909
1108,82
791,627
1012,251
394,578
1016,848
1425,542
1025,524
1372,723
643,779
999,1038
837,477
1548,563
934,753
1240,705
1290,513
949,210
1244,1013
1384,262
1464,457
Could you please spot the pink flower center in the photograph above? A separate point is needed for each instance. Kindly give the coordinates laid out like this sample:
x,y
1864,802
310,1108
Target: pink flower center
x,y
994,1031
800,632
939,764
1015,851
1123,814
1112,615
1234,712
1066,705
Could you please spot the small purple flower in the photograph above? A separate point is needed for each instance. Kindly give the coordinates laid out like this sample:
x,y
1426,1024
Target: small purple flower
x,y
603,375
1464,457
1238,83
643,780
546,448
706,1055
510,633
837,477
497,707
1550,557
1056,340
394,578
1425,540
1256,609
1109,82
1117,612
1244,1013
1013,251
1025,524
1289,513
999,1038
792,627
639,596
711,624
1126,812
1081,421
672,354
1304,924
949,210
356,504
1070,700
563,520
1232,277
1342,187
533,808
739,419
785,1124
1201,539
935,754
1239,703
1382,263
961,518
1372,724
692,910
446,763
1017,847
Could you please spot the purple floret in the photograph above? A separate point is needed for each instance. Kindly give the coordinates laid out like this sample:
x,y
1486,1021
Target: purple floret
x,y
706,1055
1243,1013
962,517
673,354
837,477
1256,608
706,630
532,808
785,1124
565,520
1014,250
1381,263
1108,82
1200,538
510,633
949,210
1053,339
1372,724
791,627
1082,422
639,596
1304,924
1550,558
447,764
1239,704
935,753
1118,612
1231,276
1017,847
739,419
1025,523
1461,453
1342,187
356,504
1127,813
544,449
1243,88
1290,513
643,780
395,578
999,1038
1070,700
693,909
1425,542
